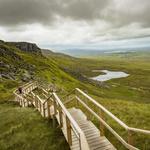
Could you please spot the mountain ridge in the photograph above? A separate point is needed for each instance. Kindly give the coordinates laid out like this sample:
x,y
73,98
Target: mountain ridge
x,y
26,46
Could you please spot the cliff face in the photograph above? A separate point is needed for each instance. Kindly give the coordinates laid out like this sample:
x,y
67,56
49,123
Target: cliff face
x,y
25,46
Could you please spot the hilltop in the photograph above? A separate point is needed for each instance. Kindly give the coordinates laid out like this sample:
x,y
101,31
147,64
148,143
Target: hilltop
x,y
26,46
125,98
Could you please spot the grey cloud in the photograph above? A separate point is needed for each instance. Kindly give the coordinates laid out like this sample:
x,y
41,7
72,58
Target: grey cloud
x,y
85,9
18,12
128,12
117,12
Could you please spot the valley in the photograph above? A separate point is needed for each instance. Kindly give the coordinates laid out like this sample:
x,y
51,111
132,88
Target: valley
x,y
128,98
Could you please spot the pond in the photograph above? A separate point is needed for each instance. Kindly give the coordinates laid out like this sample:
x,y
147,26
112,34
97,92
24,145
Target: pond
x,y
108,75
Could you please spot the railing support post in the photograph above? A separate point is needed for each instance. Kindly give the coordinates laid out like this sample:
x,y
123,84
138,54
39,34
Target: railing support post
x,y
55,107
69,136
40,107
48,110
130,137
54,121
102,127
44,110
60,118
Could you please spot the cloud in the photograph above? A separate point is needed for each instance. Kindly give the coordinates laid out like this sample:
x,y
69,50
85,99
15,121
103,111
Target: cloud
x,y
124,12
83,21
18,12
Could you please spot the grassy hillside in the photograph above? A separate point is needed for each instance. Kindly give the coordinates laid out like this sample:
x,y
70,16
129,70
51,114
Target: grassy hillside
x,y
127,98
25,129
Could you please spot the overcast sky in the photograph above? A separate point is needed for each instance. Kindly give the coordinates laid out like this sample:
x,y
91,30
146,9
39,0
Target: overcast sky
x,y
76,23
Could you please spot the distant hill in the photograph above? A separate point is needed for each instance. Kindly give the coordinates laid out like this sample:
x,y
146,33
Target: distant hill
x,y
23,61
93,52
47,53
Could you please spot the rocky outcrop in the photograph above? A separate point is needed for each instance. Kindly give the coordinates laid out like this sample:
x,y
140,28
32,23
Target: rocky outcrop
x,y
6,52
25,46
13,66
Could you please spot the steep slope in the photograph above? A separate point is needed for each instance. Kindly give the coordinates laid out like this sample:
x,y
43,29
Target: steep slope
x,y
127,98
31,132
124,97
25,129
18,66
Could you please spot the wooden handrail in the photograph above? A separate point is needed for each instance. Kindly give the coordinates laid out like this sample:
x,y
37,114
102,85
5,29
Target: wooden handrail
x,y
111,115
74,125
107,126
103,108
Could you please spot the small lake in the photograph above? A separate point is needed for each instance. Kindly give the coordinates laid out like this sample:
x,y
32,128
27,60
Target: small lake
x,y
108,75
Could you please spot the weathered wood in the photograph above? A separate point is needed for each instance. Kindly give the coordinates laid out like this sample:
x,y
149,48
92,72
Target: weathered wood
x,y
102,127
60,117
54,121
68,126
48,110
40,107
78,137
44,113
55,107
130,137
95,141
107,126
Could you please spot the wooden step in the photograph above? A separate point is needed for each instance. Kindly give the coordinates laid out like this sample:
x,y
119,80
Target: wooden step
x,y
92,134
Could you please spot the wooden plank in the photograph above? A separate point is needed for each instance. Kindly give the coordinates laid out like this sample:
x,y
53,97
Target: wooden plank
x,y
92,134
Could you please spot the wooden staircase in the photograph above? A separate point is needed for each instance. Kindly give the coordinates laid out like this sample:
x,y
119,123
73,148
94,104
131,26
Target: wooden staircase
x,y
92,134
79,131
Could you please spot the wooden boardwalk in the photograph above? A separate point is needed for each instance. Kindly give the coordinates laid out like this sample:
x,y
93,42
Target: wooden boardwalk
x,y
92,134
78,129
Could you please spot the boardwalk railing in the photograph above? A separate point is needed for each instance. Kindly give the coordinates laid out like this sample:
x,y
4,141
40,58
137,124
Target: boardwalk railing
x,y
52,107
83,99
70,125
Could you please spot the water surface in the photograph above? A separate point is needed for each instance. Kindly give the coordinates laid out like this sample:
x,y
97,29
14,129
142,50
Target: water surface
x,y
109,75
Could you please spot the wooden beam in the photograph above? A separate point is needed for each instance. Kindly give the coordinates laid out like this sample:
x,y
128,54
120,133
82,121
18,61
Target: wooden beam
x,y
130,137
48,109
69,136
43,106
102,127
60,117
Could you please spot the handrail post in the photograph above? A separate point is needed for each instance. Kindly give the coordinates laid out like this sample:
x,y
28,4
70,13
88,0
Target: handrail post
x,y
60,117
40,107
130,137
37,102
77,103
44,110
55,112
102,127
55,107
69,136
48,109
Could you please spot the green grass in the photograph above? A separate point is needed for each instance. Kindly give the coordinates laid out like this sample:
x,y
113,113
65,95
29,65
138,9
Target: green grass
x,y
127,98
24,128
